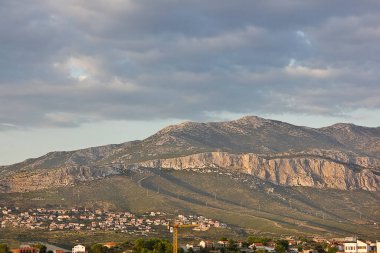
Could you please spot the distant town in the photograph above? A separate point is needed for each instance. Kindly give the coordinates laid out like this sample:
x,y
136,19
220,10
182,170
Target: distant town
x,y
85,219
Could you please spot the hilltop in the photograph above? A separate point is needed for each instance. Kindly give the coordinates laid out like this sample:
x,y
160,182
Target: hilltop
x,y
256,175
343,156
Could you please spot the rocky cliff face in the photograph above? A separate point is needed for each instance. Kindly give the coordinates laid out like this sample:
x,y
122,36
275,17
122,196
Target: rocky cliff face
x,y
313,172
50,178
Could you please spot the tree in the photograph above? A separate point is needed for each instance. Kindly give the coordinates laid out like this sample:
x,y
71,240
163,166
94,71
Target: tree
x,y
282,246
139,245
254,239
4,248
319,247
232,245
332,249
204,250
152,245
126,244
99,248
41,247
245,244
300,249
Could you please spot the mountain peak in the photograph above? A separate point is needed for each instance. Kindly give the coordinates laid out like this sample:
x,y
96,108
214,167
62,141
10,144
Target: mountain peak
x,y
177,127
252,121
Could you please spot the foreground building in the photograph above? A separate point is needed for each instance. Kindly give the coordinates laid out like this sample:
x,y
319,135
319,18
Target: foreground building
x,y
79,249
358,246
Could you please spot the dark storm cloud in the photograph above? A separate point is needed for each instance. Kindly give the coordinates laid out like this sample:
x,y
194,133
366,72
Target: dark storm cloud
x,y
68,62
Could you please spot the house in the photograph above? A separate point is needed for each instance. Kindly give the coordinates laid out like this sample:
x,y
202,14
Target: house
x,y
26,248
110,244
378,246
257,246
223,244
206,244
195,248
79,249
359,246
270,249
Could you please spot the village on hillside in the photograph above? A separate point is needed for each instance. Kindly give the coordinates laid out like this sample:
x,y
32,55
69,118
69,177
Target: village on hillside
x,y
149,223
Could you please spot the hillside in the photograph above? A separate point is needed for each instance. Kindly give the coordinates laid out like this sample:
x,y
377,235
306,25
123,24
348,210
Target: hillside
x,y
260,175
247,204
342,156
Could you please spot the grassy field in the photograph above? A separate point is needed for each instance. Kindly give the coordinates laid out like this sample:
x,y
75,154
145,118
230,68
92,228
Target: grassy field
x,y
247,205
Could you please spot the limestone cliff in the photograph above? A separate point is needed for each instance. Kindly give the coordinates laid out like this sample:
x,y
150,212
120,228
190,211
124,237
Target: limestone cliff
x,y
58,177
298,171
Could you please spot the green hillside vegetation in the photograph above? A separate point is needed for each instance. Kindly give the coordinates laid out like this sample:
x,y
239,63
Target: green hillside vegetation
x,y
246,204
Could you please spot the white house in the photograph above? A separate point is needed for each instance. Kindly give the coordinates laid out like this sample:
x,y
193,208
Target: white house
x,y
79,249
206,244
356,247
378,246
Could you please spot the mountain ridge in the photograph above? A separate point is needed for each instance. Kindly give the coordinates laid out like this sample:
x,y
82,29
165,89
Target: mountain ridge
x,y
353,146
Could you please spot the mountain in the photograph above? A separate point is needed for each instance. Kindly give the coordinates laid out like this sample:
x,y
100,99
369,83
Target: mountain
x,y
342,156
252,173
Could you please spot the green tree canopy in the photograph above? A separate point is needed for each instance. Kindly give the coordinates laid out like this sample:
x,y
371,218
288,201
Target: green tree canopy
x,y
282,246
332,249
258,239
4,248
232,245
40,246
319,247
152,245
99,248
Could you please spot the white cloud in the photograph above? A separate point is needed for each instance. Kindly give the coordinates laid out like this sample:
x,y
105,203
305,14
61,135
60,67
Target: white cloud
x,y
302,35
295,69
80,68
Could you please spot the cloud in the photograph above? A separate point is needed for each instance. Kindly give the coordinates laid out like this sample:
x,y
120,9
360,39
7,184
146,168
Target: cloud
x,y
79,68
295,69
303,36
68,62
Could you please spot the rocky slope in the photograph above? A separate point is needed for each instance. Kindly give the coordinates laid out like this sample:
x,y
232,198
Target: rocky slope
x,y
50,178
342,156
313,172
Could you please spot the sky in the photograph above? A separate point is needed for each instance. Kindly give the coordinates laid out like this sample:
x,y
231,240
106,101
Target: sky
x,y
76,73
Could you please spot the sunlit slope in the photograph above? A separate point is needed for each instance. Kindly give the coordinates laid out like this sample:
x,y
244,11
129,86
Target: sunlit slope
x,y
239,200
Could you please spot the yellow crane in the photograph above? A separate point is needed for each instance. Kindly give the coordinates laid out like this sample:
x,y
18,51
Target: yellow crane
x,y
176,226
